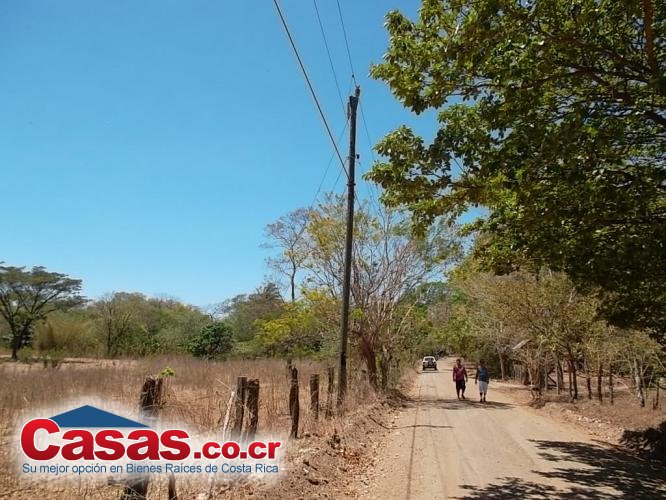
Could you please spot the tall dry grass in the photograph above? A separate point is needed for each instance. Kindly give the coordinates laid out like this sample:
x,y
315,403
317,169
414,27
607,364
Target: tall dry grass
x,y
197,396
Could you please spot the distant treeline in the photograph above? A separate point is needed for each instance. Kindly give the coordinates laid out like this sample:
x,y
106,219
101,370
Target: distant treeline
x,y
126,324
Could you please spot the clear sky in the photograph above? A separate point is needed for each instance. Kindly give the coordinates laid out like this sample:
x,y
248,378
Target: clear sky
x,y
145,145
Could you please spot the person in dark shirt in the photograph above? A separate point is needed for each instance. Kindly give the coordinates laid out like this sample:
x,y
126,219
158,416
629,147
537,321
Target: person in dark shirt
x,y
459,377
482,377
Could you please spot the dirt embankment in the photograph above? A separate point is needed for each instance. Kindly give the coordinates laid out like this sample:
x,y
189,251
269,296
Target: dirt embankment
x,y
336,465
329,466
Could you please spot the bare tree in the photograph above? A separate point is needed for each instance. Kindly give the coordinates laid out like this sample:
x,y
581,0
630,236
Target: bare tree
x,y
286,234
388,263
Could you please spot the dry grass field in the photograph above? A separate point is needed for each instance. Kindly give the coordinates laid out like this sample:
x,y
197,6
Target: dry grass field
x,y
197,396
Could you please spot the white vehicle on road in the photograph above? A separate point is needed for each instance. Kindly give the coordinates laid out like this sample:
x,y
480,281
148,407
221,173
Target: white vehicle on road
x,y
429,362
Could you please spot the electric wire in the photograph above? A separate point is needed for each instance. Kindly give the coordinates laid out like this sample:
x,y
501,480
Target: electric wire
x,y
301,232
363,118
344,32
328,166
310,86
373,186
330,59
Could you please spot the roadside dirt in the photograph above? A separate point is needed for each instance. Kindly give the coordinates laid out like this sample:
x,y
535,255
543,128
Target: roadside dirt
x,y
439,447
604,421
332,466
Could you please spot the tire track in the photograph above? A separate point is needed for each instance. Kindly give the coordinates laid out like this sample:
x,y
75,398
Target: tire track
x,y
441,461
413,446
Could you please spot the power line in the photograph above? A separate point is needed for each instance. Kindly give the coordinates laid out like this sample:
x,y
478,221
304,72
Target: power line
x,y
330,59
367,132
367,135
328,166
344,32
335,76
335,184
321,184
365,124
312,91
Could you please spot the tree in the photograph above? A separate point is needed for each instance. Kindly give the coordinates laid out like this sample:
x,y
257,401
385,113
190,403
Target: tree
x,y
389,263
553,115
286,234
133,324
116,321
243,311
640,354
213,341
305,327
28,296
69,332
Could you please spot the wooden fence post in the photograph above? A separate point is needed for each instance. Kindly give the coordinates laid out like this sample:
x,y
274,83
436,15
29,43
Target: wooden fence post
x,y
329,395
241,390
294,405
172,494
314,396
252,407
150,401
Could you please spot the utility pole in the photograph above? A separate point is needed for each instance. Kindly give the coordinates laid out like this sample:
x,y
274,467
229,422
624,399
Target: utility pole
x,y
346,283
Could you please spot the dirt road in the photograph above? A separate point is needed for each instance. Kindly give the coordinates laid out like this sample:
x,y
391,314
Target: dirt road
x,y
439,447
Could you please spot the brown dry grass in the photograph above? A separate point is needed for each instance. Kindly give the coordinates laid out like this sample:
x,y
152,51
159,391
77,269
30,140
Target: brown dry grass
x,y
197,396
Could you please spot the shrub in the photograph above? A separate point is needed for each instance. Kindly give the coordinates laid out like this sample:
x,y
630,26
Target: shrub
x,y
25,355
213,341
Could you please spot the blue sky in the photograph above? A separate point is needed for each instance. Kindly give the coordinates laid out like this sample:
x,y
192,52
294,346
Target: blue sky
x,y
145,145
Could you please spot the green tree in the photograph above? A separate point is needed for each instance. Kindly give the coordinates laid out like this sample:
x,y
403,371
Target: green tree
x,y
213,341
307,326
543,312
553,115
116,321
133,324
243,311
28,296
178,323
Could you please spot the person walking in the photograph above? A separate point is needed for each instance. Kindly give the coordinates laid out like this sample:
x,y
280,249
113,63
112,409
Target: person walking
x,y
460,377
483,378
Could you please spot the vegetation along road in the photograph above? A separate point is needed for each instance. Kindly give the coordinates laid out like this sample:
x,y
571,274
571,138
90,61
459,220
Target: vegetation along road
x,y
444,448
